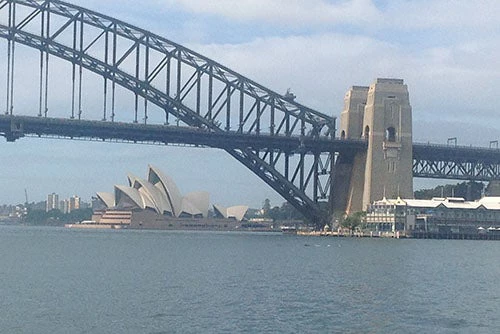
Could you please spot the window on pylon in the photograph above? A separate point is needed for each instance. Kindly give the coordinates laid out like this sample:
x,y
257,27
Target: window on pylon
x,y
390,134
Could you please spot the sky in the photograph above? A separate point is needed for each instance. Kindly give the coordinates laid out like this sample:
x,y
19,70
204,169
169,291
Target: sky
x,y
446,51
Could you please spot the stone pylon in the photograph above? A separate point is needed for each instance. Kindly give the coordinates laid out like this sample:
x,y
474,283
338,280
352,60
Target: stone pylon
x,y
381,115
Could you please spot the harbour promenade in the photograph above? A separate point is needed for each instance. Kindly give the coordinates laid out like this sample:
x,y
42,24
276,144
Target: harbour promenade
x,y
404,235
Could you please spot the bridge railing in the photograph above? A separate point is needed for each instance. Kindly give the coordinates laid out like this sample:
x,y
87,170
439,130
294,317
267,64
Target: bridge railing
x,y
460,147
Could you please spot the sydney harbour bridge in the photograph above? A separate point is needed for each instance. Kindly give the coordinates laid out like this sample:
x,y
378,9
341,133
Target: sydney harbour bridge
x,y
156,91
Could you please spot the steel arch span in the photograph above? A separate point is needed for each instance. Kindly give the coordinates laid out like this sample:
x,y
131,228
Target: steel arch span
x,y
185,87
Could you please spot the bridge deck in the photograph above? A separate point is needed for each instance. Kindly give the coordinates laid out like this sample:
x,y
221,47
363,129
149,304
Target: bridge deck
x,y
455,153
15,127
456,162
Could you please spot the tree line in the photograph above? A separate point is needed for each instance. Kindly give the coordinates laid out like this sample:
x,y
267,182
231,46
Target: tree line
x,y
56,217
471,191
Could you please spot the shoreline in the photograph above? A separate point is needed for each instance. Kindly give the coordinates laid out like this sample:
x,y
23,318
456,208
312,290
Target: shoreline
x,y
404,235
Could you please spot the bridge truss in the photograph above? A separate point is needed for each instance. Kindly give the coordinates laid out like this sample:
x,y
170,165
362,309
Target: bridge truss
x,y
456,162
169,85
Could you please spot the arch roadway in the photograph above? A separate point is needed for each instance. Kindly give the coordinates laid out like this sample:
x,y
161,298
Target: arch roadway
x,y
194,89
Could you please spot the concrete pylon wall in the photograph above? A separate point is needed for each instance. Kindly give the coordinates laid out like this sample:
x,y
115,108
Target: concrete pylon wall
x,y
350,185
385,121
351,118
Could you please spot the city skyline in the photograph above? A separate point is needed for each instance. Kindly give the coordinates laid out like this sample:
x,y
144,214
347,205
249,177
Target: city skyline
x,y
65,205
446,60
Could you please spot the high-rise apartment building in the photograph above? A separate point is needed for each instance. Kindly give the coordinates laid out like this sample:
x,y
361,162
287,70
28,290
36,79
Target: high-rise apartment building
x,y
74,203
52,202
64,206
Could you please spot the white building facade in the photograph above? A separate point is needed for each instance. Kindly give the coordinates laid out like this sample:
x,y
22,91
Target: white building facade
x,y
438,215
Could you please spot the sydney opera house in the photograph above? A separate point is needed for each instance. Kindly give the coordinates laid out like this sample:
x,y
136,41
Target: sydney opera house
x,y
156,202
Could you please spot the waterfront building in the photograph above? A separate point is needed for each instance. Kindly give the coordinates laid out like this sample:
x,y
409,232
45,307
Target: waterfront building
x,y
437,215
52,202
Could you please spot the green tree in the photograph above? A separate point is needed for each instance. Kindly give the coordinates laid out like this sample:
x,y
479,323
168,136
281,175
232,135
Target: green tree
x,y
274,213
56,217
353,220
284,212
469,190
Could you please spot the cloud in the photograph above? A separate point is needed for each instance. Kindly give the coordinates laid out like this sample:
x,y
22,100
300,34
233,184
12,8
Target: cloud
x,y
467,133
454,81
370,14
287,12
318,68
436,14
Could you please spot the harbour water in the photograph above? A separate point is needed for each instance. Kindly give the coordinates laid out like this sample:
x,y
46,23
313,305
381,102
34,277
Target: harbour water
x,y
56,280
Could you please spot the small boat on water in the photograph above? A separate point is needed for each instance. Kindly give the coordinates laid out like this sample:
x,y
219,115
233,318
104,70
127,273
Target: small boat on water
x,y
289,229
90,224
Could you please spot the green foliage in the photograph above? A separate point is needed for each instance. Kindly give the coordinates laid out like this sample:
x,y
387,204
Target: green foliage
x,y
266,206
353,220
56,217
469,190
285,212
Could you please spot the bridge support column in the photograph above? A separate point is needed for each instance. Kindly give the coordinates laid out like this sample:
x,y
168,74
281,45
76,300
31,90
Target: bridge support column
x,y
380,114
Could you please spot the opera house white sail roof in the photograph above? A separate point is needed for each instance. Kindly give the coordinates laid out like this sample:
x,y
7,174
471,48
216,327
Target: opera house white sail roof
x,y
160,194
234,212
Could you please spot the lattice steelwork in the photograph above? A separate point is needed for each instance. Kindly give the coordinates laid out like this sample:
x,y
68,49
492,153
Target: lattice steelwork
x,y
167,79
458,163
